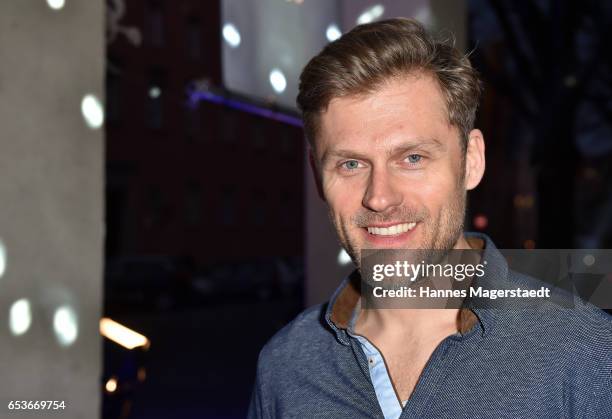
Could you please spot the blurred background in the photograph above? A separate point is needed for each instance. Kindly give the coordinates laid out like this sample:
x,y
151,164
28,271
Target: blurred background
x,y
214,235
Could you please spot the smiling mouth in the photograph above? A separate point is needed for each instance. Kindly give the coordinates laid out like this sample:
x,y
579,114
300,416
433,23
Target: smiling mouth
x,y
393,230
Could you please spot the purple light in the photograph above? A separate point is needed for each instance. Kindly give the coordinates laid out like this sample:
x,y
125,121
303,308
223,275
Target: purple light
x,y
195,96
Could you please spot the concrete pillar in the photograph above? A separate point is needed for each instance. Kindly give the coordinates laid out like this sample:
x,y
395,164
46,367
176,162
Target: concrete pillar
x,y
51,222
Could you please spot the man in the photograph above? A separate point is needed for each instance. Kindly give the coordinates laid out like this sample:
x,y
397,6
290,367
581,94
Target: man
x,y
389,113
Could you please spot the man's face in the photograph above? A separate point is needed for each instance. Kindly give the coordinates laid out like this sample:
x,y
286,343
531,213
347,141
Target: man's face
x,y
391,168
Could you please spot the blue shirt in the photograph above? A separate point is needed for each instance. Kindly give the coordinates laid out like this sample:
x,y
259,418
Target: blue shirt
x,y
546,362
381,381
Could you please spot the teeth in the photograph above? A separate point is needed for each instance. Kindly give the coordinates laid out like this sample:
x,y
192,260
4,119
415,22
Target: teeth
x,y
391,231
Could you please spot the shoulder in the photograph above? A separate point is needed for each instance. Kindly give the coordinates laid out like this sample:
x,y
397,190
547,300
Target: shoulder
x,y
564,346
568,309
300,339
280,357
567,325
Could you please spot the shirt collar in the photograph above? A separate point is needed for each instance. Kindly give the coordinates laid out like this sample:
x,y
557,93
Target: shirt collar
x,y
344,300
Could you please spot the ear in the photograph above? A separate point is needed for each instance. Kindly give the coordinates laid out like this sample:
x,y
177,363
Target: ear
x,y
474,159
315,172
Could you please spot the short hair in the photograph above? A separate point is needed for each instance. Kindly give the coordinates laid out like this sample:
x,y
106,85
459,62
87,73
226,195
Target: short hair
x,y
361,60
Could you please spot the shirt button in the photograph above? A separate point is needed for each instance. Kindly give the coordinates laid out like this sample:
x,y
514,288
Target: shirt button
x,y
371,360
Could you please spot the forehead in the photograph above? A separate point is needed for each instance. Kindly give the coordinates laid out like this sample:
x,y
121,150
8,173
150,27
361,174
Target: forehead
x,y
411,106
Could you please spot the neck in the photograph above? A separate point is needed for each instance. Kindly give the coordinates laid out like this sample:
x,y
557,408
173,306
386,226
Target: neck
x,y
409,322
462,244
406,323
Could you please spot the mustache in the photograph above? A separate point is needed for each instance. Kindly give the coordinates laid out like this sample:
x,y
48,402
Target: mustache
x,y
397,215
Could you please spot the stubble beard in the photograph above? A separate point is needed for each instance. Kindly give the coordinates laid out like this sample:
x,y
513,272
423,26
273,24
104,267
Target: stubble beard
x,y
441,235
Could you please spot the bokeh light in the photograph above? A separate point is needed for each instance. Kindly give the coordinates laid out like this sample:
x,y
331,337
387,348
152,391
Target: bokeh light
x,y
371,14
92,111
333,32
231,35
480,222
65,325
122,335
56,4
111,385
343,258
278,80
154,92
2,258
20,317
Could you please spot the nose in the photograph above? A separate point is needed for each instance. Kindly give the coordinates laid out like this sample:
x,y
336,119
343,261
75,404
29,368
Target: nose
x,y
381,194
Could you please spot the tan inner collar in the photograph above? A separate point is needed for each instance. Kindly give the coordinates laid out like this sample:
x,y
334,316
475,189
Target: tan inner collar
x,y
349,296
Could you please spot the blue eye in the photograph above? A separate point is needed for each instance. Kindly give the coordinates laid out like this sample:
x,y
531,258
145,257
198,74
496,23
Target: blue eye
x,y
351,164
414,158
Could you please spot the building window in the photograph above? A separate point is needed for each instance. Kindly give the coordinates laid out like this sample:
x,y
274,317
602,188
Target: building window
x,y
155,23
155,99
193,39
191,114
228,206
193,204
230,123
259,140
259,212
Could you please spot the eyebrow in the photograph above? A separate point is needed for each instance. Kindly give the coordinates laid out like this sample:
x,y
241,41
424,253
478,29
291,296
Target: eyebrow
x,y
429,143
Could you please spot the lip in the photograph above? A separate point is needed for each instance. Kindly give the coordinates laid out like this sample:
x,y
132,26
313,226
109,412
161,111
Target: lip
x,y
389,241
389,224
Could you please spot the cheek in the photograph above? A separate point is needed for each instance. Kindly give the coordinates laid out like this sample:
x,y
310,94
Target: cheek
x,y
433,190
343,198
342,204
